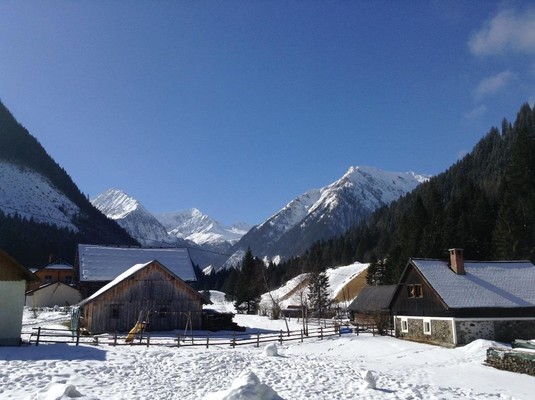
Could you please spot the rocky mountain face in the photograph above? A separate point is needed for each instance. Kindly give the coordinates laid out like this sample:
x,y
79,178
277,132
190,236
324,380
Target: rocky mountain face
x,y
324,213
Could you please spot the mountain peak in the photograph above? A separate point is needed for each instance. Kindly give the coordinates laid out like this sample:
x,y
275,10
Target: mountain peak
x,y
115,203
327,212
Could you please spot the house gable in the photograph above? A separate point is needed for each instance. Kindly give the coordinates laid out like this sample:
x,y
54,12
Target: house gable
x,y
415,296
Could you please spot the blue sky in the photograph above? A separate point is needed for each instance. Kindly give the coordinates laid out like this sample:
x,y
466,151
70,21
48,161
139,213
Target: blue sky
x,y
237,107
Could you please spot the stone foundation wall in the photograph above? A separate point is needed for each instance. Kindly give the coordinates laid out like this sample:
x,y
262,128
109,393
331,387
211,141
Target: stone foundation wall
x,y
501,331
468,331
441,331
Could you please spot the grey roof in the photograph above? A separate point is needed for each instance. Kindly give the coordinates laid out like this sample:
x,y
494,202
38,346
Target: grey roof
x,y
373,298
494,284
59,265
103,263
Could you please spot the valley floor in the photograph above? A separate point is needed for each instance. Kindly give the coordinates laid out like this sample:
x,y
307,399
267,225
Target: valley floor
x,y
317,369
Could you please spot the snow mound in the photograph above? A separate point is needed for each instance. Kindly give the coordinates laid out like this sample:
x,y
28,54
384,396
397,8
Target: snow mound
x,y
57,391
271,350
246,387
479,346
369,380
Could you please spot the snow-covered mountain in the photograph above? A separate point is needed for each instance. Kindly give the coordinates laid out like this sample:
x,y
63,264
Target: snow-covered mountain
x,y
133,217
199,228
30,194
324,213
208,240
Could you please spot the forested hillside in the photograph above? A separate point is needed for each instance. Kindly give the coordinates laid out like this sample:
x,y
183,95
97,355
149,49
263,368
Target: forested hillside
x,y
32,243
485,203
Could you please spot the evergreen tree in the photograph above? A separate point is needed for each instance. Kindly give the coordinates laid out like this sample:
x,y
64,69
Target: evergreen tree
x,y
318,292
249,283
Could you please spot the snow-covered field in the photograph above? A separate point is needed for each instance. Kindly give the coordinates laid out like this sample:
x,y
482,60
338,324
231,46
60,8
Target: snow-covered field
x,y
334,368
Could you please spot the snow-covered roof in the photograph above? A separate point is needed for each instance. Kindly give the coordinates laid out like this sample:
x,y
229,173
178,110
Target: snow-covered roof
x,y
59,265
102,263
129,272
495,284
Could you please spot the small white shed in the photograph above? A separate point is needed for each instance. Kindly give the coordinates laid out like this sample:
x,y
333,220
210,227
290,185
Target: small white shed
x,y
53,294
13,278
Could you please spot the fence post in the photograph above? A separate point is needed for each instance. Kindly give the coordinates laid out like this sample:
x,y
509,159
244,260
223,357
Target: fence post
x,y
257,339
301,336
280,337
148,339
115,338
178,340
339,332
321,332
208,341
38,336
233,341
358,329
77,336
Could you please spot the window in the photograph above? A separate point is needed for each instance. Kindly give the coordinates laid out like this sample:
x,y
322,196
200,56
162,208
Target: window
x,y
114,312
404,325
414,291
48,278
427,326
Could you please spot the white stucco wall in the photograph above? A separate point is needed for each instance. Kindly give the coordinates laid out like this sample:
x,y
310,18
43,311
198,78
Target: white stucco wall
x,y
54,295
11,307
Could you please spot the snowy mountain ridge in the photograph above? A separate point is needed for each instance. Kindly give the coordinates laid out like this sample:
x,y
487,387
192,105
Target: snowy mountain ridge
x,y
324,213
208,240
199,228
133,217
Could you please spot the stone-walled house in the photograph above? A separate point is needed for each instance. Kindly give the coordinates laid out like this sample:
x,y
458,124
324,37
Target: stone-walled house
x,y
455,302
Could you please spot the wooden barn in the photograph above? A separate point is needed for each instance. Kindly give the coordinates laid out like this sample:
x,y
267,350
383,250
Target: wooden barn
x,y
13,279
148,291
371,307
96,266
53,294
455,302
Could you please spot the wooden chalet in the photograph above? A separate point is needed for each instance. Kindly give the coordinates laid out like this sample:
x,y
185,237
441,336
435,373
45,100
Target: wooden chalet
x,y
13,278
149,291
455,302
96,266
58,271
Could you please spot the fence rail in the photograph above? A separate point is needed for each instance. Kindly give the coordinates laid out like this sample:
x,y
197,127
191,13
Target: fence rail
x,y
42,335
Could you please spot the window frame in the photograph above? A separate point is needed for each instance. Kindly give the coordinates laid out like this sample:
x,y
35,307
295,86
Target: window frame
x,y
427,322
404,325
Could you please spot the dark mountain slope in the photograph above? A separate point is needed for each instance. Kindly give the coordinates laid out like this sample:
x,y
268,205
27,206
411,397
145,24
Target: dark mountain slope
x,y
33,243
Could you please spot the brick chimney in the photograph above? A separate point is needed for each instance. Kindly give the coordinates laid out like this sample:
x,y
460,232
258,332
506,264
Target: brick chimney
x,y
457,261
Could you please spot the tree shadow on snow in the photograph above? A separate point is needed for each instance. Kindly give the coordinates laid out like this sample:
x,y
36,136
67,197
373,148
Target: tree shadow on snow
x,y
58,351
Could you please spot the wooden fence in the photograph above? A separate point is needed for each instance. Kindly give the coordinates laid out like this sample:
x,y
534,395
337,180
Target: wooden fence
x,y
47,335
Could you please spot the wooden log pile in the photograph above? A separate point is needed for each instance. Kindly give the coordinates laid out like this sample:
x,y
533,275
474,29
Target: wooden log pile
x,y
511,360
